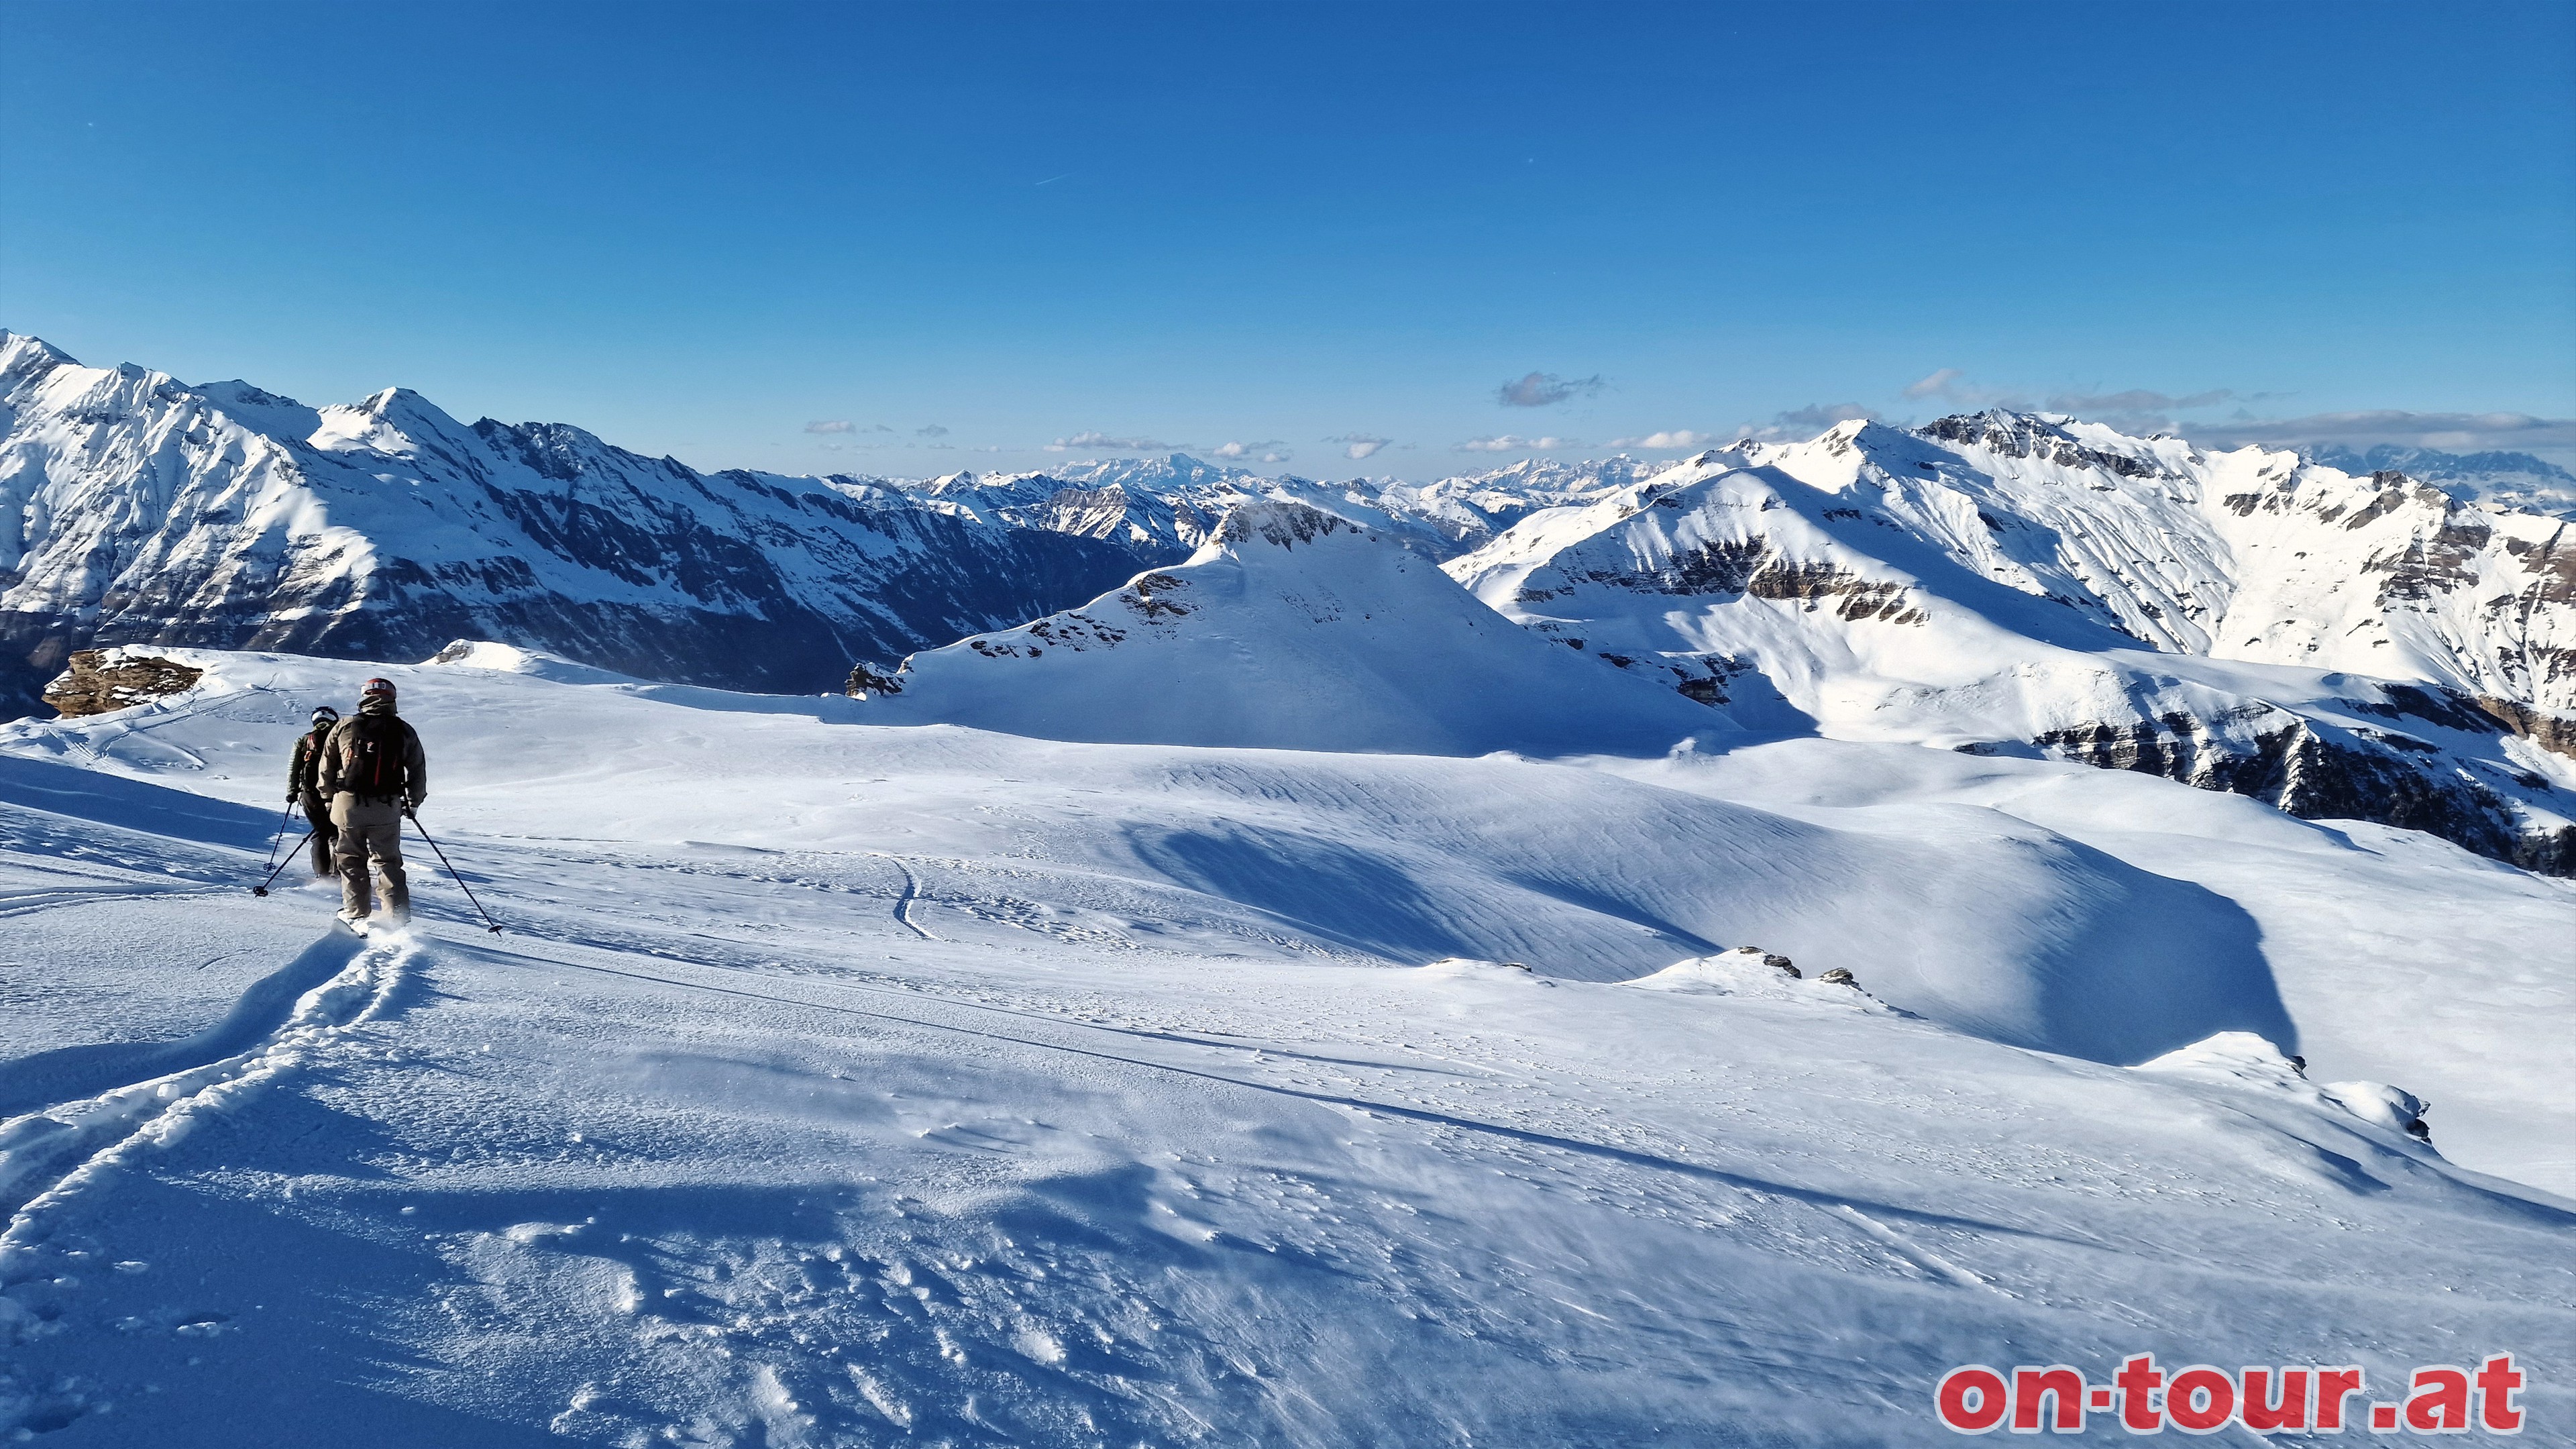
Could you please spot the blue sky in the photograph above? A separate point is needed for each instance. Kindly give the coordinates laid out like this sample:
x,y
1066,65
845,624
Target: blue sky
x,y
1308,230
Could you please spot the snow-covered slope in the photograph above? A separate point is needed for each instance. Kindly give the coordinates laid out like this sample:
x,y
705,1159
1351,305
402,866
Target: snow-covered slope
x,y
2341,647
1292,629
837,1084
151,512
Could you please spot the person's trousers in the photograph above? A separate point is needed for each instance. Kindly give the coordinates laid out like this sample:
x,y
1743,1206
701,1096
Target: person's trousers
x,y
369,832
324,832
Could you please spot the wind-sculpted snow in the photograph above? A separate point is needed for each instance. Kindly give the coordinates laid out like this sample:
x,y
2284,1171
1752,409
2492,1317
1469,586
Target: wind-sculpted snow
x,y
2002,582
1291,629
225,516
838,1083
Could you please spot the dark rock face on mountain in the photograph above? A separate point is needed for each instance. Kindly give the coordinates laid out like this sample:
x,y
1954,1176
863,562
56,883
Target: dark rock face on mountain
x,y
2309,768
224,517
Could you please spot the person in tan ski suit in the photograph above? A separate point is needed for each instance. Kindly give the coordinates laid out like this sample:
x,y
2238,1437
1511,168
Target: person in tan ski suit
x,y
374,767
304,785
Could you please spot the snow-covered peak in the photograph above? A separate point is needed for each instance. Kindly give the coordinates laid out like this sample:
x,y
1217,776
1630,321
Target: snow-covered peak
x,y
1292,628
1281,523
396,422
281,419
1170,472
24,358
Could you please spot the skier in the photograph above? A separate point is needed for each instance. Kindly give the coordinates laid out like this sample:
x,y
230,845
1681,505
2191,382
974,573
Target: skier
x,y
374,764
304,785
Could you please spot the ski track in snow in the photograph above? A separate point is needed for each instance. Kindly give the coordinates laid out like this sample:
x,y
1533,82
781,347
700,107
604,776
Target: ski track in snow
x,y
102,1133
904,903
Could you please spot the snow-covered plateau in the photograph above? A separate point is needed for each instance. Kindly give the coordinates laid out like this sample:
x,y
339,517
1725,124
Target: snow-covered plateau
x,y
842,1082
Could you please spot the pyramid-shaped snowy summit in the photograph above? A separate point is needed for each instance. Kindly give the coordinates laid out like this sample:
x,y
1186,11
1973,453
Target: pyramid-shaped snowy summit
x,y
1293,629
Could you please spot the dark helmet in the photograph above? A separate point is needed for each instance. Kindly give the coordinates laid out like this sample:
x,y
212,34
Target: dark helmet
x,y
325,714
384,687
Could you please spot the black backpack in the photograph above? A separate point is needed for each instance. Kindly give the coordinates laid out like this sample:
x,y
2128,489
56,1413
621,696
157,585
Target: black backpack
x,y
374,760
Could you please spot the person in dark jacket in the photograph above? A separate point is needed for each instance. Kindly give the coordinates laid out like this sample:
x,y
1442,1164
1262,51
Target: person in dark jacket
x,y
304,786
374,765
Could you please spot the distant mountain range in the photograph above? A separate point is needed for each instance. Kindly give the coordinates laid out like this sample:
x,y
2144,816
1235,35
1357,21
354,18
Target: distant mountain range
x,y
2516,480
2336,640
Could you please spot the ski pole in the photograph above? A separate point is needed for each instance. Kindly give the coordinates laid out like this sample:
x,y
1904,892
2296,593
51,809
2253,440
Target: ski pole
x,y
451,870
284,822
261,889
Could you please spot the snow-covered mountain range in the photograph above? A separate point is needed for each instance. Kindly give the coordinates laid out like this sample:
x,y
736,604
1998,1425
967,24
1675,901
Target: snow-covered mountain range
x,y
2342,647
2340,644
149,511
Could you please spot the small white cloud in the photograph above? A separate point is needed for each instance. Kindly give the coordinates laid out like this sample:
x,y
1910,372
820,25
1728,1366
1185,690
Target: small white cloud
x,y
1106,443
1232,451
842,426
1356,446
1669,440
1507,443
1942,382
933,430
1542,389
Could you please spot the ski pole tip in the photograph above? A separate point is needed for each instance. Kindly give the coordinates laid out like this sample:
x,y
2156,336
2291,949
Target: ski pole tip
x,y
259,890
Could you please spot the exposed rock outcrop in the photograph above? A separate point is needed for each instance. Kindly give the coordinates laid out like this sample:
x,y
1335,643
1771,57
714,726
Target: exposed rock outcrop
x,y
2311,769
100,680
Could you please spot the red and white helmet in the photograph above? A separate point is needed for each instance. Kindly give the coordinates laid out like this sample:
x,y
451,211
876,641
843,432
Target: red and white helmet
x,y
384,687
